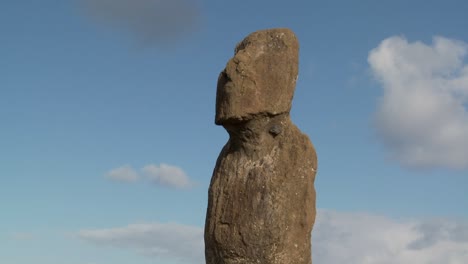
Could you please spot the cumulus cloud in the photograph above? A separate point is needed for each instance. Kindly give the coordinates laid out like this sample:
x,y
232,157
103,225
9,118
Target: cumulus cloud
x,y
338,237
363,238
423,117
158,22
125,173
167,175
166,240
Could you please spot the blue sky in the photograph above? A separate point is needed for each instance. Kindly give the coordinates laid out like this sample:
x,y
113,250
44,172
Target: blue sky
x,y
108,142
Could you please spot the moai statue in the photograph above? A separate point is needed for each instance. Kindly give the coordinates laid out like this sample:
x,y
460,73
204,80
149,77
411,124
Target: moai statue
x,y
261,202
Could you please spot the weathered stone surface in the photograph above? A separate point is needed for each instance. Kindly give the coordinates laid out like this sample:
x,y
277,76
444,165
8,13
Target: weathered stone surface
x,y
260,78
261,204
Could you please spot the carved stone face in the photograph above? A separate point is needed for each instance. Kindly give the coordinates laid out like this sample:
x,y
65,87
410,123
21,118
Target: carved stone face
x,y
260,79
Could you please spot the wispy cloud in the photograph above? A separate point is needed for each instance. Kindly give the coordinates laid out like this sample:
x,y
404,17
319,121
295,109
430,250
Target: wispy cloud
x,y
167,240
125,173
163,175
422,117
167,175
338,237
151,22
22,236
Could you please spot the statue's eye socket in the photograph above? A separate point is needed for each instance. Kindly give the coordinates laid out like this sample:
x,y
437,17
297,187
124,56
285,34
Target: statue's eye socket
x,y
223,79
275,130
246,133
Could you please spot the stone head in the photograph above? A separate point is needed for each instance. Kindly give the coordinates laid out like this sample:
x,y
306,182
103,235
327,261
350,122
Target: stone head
x,y
260,79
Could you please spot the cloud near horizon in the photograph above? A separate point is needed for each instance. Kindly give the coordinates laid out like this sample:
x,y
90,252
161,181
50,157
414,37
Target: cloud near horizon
x,y
166,240
362,238
422,117
151,22
338,237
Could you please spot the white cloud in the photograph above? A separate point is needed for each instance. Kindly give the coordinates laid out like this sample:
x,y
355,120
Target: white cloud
x,y
168,240
354,238
360,238
423,116
125,173
163,174
167,175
